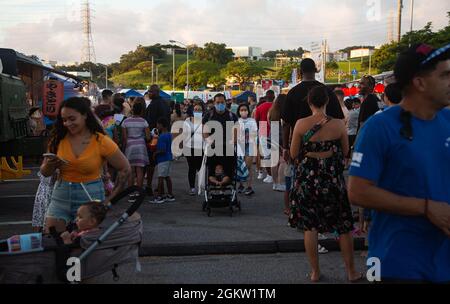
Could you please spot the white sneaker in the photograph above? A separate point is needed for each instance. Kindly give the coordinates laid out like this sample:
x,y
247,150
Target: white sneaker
x,y
268,179
261,175
281,188
321,236
275,187
322,249
158,200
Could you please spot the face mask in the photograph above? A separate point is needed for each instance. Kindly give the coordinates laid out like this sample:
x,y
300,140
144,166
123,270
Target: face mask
x,y
244,114
198,115
220,107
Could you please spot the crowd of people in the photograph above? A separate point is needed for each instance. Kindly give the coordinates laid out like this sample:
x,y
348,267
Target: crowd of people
x,y
396,149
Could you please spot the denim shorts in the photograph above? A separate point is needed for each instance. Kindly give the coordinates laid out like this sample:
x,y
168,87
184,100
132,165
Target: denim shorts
x,y
288,182
67,197
164,168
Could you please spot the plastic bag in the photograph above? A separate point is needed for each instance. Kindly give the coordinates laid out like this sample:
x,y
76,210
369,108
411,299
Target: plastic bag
x,y
202,173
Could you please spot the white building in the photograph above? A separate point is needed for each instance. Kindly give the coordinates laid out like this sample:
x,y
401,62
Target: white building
x,y
80,74
247,52
340,56
50,62
356,53
306,54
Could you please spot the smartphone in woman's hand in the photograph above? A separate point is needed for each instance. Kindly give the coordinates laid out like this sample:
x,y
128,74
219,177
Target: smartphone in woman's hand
x,y
54,156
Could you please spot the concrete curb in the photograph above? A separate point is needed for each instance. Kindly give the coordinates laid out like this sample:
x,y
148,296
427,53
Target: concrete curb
x,y
257,247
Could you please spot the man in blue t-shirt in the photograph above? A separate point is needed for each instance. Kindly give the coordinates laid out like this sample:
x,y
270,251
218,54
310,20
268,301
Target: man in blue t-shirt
x,y
401,169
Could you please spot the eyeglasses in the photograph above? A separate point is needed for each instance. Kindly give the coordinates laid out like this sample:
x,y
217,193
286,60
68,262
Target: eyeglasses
x,y
436,53
406,130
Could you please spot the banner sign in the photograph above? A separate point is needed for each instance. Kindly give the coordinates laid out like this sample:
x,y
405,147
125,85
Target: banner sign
x,y
317,54
53,97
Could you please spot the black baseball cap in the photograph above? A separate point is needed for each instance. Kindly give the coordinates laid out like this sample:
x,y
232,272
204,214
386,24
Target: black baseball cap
x,y
418,59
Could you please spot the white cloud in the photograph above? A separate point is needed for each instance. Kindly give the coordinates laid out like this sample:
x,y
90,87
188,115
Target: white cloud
x,y
270,24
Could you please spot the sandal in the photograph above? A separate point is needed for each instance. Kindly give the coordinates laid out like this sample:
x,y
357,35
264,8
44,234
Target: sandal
x,y
360,278
309,276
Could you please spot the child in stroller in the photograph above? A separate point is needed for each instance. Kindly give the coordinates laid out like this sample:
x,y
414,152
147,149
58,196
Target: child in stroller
x,y
221,184
89,217
219,178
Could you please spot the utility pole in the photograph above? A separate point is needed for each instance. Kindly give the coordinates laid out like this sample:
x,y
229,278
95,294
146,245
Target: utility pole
x,y
187,69
412,20
390,26
156,74
173,72
106,77
152,70
400,7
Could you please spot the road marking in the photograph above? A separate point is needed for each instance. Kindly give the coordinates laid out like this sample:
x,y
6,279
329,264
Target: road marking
x,y
19,196
15,223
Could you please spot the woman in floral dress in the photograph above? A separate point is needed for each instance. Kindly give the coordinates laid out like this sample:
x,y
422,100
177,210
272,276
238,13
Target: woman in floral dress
x,y
319,202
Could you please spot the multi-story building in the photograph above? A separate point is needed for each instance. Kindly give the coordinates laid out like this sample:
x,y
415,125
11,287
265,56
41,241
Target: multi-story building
x,y
247,52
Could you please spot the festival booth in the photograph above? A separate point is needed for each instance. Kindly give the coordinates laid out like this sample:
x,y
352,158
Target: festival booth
x,y
130,93
243,97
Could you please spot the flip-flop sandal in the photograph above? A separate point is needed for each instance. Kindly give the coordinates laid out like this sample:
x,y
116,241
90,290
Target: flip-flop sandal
x,y
359,279
308,275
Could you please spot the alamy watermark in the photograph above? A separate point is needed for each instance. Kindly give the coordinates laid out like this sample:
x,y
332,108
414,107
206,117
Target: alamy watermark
x,y
374,11
238,139
73,274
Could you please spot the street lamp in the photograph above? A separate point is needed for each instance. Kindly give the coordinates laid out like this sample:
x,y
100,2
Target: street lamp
x,y
106,67
187,62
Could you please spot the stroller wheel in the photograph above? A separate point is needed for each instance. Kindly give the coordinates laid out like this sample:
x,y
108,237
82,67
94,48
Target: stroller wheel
x,y
204,206
239,206
208,212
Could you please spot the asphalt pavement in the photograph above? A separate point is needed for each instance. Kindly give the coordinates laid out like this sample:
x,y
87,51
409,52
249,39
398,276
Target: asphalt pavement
x,y
181,228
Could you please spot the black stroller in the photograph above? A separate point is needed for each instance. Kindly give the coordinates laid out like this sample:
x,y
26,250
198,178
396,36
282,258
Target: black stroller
x,y
116,243
226,196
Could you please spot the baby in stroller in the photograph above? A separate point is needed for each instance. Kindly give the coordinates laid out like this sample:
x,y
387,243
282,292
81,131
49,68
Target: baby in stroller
x,y
89,216
219,178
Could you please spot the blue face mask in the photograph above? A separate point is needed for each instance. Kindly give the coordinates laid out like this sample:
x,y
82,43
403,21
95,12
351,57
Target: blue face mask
x,y
220,107
198,115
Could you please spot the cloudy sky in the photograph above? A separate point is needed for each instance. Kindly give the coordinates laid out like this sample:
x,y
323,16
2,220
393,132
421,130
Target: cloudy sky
x,y
52,29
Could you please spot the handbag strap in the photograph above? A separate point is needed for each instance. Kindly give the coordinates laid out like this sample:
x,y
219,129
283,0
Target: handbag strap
x,y
308,135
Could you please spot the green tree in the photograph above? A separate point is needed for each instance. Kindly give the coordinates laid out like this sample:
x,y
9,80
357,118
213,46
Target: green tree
x,y
142,53
217,81
98,71
285,72
145,67
244,71
214,52
385,57
199,73
332,65
288,53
